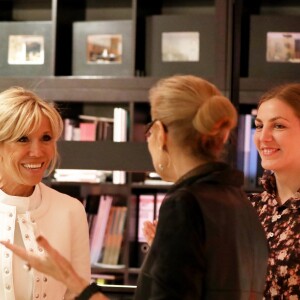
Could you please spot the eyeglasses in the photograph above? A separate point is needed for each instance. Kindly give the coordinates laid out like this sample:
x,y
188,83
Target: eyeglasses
x,y
149,126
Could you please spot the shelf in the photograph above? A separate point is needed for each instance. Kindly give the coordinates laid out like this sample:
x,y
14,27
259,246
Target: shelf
x,y
251,89
126,156
85,88
113,270
143,186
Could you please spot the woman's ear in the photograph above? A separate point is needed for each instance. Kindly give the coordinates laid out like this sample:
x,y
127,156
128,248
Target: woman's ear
x,y
226,133
161,135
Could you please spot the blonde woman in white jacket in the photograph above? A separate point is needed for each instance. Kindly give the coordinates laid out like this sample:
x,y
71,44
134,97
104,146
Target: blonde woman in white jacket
x,y
29,130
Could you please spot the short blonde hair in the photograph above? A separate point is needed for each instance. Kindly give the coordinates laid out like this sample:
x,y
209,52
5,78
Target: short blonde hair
x,y
21,112
196,111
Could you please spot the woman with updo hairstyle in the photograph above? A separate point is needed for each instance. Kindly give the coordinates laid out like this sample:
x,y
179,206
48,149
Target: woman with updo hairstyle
x,y
199,115
209,243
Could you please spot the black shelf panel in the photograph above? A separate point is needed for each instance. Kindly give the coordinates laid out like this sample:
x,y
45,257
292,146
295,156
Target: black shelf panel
x,y
126,156
251,89
143,186
99,270
85,88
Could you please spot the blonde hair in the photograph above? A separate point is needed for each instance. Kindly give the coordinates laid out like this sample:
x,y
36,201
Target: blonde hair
x,y
196,111
21,112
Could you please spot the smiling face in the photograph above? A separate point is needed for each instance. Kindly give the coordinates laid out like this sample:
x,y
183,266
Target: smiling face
x,y
277,136
24,162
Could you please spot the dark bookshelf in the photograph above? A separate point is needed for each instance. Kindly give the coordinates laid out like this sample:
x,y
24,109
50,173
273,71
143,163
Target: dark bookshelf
x,y
230,71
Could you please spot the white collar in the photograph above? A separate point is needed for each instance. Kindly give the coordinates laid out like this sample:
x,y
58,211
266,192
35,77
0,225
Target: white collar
x,y
22,204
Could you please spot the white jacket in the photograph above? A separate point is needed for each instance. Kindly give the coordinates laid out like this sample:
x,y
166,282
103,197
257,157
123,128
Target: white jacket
x,y
62,220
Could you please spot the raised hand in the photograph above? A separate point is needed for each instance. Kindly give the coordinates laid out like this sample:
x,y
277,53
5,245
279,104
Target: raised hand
x,y
52,264
149,230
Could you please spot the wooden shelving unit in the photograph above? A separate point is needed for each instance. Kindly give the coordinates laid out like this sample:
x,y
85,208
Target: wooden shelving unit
x,y
230,69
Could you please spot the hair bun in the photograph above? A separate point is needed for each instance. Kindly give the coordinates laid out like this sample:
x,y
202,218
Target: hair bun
x,y
215,115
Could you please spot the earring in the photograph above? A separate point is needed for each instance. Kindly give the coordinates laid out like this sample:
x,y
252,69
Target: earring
x,y
161,167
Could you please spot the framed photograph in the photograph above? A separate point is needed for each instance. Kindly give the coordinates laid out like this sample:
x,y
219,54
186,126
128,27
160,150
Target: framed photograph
x,y
180,44
283,47
103,48
26,49
275,47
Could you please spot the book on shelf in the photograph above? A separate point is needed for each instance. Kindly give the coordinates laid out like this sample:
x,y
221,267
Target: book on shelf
x,y
88,131
81,175
99,227
107,278
119,135
106,233
103,126
68,132
114,236
144,207
154,179
145,213
96,118
157,182
88,128
251,176
91,204
247,152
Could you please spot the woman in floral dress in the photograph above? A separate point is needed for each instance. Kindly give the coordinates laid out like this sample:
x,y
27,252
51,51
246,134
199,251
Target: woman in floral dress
x,y
277,139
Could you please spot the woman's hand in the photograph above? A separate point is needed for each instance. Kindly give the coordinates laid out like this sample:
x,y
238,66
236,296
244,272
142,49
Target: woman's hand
x,y
149,230
52,264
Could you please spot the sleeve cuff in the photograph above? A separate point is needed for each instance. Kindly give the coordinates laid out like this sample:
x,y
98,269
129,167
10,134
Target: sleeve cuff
x,y
88,292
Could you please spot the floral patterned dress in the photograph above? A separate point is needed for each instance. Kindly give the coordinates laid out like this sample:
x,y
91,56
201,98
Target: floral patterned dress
x,y
282,227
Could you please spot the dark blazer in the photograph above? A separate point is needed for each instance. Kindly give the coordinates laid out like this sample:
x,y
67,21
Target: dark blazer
x,y
209,243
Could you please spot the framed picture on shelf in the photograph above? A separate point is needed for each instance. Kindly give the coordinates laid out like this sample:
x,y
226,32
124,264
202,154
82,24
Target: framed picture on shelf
x,y
283,47
26,49
103,48
180,44
275,47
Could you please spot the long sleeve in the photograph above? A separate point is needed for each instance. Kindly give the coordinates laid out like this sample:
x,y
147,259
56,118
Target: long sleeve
x,y
175,266
80,251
